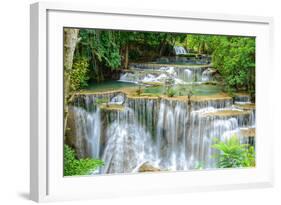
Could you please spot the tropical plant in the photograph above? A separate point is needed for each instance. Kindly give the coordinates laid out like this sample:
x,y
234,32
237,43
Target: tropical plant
x,y
171,92
202,44
234,57
79,74
233,154
139,91
101,101
169,82
199,165
74,166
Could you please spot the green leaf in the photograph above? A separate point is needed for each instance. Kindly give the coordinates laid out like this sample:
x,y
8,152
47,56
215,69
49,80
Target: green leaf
x,y
74,166
233,154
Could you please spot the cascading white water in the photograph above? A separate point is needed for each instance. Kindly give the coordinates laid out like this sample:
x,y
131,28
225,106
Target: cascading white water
x,y
128,144
179,50
88,131
181,75
190,74
128,77
242,99
167,133
207,75
171,135
187,75
118,99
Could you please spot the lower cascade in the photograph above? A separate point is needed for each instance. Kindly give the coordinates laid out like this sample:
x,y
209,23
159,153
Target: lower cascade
x,y
134,134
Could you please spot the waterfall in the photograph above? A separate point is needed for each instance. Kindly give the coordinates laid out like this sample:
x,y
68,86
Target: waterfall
x,y
128,77
187,76
242,99
179,50
167,133
118,99
171,134
87,127
207,75
128,144
181,75
190,74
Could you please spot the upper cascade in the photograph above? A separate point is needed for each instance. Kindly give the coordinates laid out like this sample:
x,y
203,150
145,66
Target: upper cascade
x,y
180,50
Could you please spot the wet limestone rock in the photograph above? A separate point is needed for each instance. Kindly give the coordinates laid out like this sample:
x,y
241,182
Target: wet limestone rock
x,y
147,167
248,132
69,137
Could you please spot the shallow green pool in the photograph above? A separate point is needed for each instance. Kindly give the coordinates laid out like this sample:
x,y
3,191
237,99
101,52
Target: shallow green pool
x,y
180,90
183,90
109,85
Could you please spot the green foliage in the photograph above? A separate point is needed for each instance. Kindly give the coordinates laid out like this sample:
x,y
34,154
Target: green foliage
x,y
202,44
199,165
79,74
101,101
171,92
73,166
139,91
108,50
234,57
101,46
233,154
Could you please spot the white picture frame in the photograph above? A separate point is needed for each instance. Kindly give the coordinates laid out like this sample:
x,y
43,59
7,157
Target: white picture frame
x,y
46,90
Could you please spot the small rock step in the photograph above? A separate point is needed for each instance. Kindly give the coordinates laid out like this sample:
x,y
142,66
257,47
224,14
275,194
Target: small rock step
x,y
227,113
248,132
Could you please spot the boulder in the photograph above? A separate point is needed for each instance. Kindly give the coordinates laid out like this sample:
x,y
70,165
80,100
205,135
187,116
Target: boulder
x,y
147,167
163,60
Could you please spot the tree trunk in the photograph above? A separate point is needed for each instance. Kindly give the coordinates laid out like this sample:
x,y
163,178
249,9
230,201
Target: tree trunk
x,y
70,41
126,57
162,46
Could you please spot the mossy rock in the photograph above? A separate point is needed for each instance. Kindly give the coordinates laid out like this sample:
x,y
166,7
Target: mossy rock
x,y
212,83
70,132
150,95
111,107
153,83
146,167
226,113
142,97
250,132
219,96
248,106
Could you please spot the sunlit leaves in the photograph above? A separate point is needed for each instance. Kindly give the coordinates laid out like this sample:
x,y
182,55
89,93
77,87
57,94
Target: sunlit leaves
x,y
233,56
73,166
79,74
233,154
